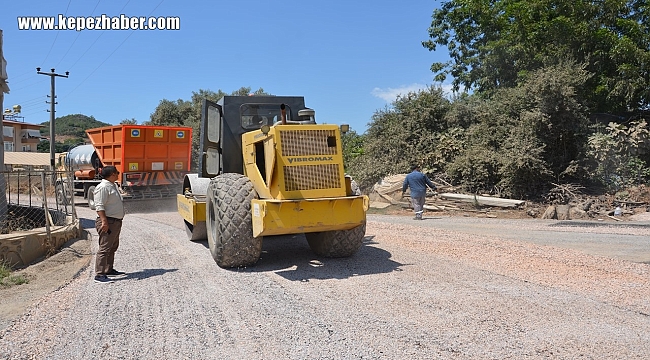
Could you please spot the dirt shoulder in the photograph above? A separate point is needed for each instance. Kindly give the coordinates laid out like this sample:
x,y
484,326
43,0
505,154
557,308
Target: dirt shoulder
x,y
45,276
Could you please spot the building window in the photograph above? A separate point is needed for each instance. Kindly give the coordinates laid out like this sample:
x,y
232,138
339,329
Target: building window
x,y
30,133
27,148
9,146
8,131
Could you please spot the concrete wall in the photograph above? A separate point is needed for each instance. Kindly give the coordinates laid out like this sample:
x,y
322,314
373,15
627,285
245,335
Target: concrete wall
x,y
24,247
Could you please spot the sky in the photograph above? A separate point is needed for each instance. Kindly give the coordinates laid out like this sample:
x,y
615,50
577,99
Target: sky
x,y
349,59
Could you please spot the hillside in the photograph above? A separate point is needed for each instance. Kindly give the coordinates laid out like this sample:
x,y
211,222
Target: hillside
x,y
72,126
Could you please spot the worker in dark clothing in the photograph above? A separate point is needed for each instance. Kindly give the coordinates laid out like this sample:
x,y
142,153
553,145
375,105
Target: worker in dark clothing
x,y
418,183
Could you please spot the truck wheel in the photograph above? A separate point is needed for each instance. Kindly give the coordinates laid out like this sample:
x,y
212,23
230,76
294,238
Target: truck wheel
x,y
230,222
91,198
338,243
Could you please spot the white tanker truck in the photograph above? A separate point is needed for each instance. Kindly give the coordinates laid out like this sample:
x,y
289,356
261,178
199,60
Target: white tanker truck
x,y
84,165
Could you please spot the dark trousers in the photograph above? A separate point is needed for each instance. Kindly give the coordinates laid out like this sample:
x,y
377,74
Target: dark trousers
x,y
108,244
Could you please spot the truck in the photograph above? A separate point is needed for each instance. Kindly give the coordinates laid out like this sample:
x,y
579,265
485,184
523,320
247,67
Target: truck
x,y
267,168
152,161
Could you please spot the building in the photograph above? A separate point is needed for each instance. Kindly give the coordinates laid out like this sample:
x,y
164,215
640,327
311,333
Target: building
x,y
20,136
21,139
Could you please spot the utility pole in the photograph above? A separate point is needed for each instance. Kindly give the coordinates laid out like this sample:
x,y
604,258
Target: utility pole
x,y
52,75
4,88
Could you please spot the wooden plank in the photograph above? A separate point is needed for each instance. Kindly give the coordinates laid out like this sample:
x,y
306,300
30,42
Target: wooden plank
x,y
482,200
611,217
433,207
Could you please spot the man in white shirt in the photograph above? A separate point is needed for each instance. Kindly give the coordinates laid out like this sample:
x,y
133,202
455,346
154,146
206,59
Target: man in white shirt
x,y
110,212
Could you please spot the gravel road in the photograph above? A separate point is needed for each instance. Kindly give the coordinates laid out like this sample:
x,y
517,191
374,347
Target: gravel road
x,y
441,288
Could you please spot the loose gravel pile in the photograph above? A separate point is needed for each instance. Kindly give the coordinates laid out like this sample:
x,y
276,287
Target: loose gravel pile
x,y
414,291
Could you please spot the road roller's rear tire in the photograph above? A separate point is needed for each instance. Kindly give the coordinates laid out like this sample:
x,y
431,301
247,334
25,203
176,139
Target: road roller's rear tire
x,y
338,243
229,221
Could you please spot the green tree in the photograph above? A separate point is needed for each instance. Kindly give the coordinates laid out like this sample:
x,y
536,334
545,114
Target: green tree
x,y
188,113
493,43
131,121
352,144
72,125
521,138
44,146
619,155
401,135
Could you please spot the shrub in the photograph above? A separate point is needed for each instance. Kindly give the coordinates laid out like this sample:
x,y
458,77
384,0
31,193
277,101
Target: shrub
x,y
6,279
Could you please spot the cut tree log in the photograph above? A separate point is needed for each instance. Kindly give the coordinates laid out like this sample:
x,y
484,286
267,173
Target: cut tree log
x,y
482,200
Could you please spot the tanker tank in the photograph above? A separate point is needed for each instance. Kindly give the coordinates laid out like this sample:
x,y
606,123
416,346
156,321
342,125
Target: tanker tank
x,y
83,161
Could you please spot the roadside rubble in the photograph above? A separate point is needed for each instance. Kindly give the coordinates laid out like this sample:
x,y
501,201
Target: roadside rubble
x,y
388,193
563,202
568,202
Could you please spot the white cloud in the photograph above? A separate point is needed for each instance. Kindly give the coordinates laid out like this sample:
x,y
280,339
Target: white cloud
x,y
389,95
447,89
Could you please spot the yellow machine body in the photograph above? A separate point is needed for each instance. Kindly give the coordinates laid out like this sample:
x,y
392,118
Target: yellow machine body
x,y
278,217
297,172
190,209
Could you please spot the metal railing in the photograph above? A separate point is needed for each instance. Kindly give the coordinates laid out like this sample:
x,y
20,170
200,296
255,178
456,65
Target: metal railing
x,y
36,199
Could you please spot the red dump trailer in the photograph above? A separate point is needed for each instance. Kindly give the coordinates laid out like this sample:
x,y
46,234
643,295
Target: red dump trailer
x,y
152,161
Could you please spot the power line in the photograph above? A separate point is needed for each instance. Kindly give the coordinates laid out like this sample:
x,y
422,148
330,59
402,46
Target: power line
x,y
35,112
77,37
111,54
39,109
154,9
98,66
34,100
19,76
26,86
57,34
94,42
91,45
32,106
